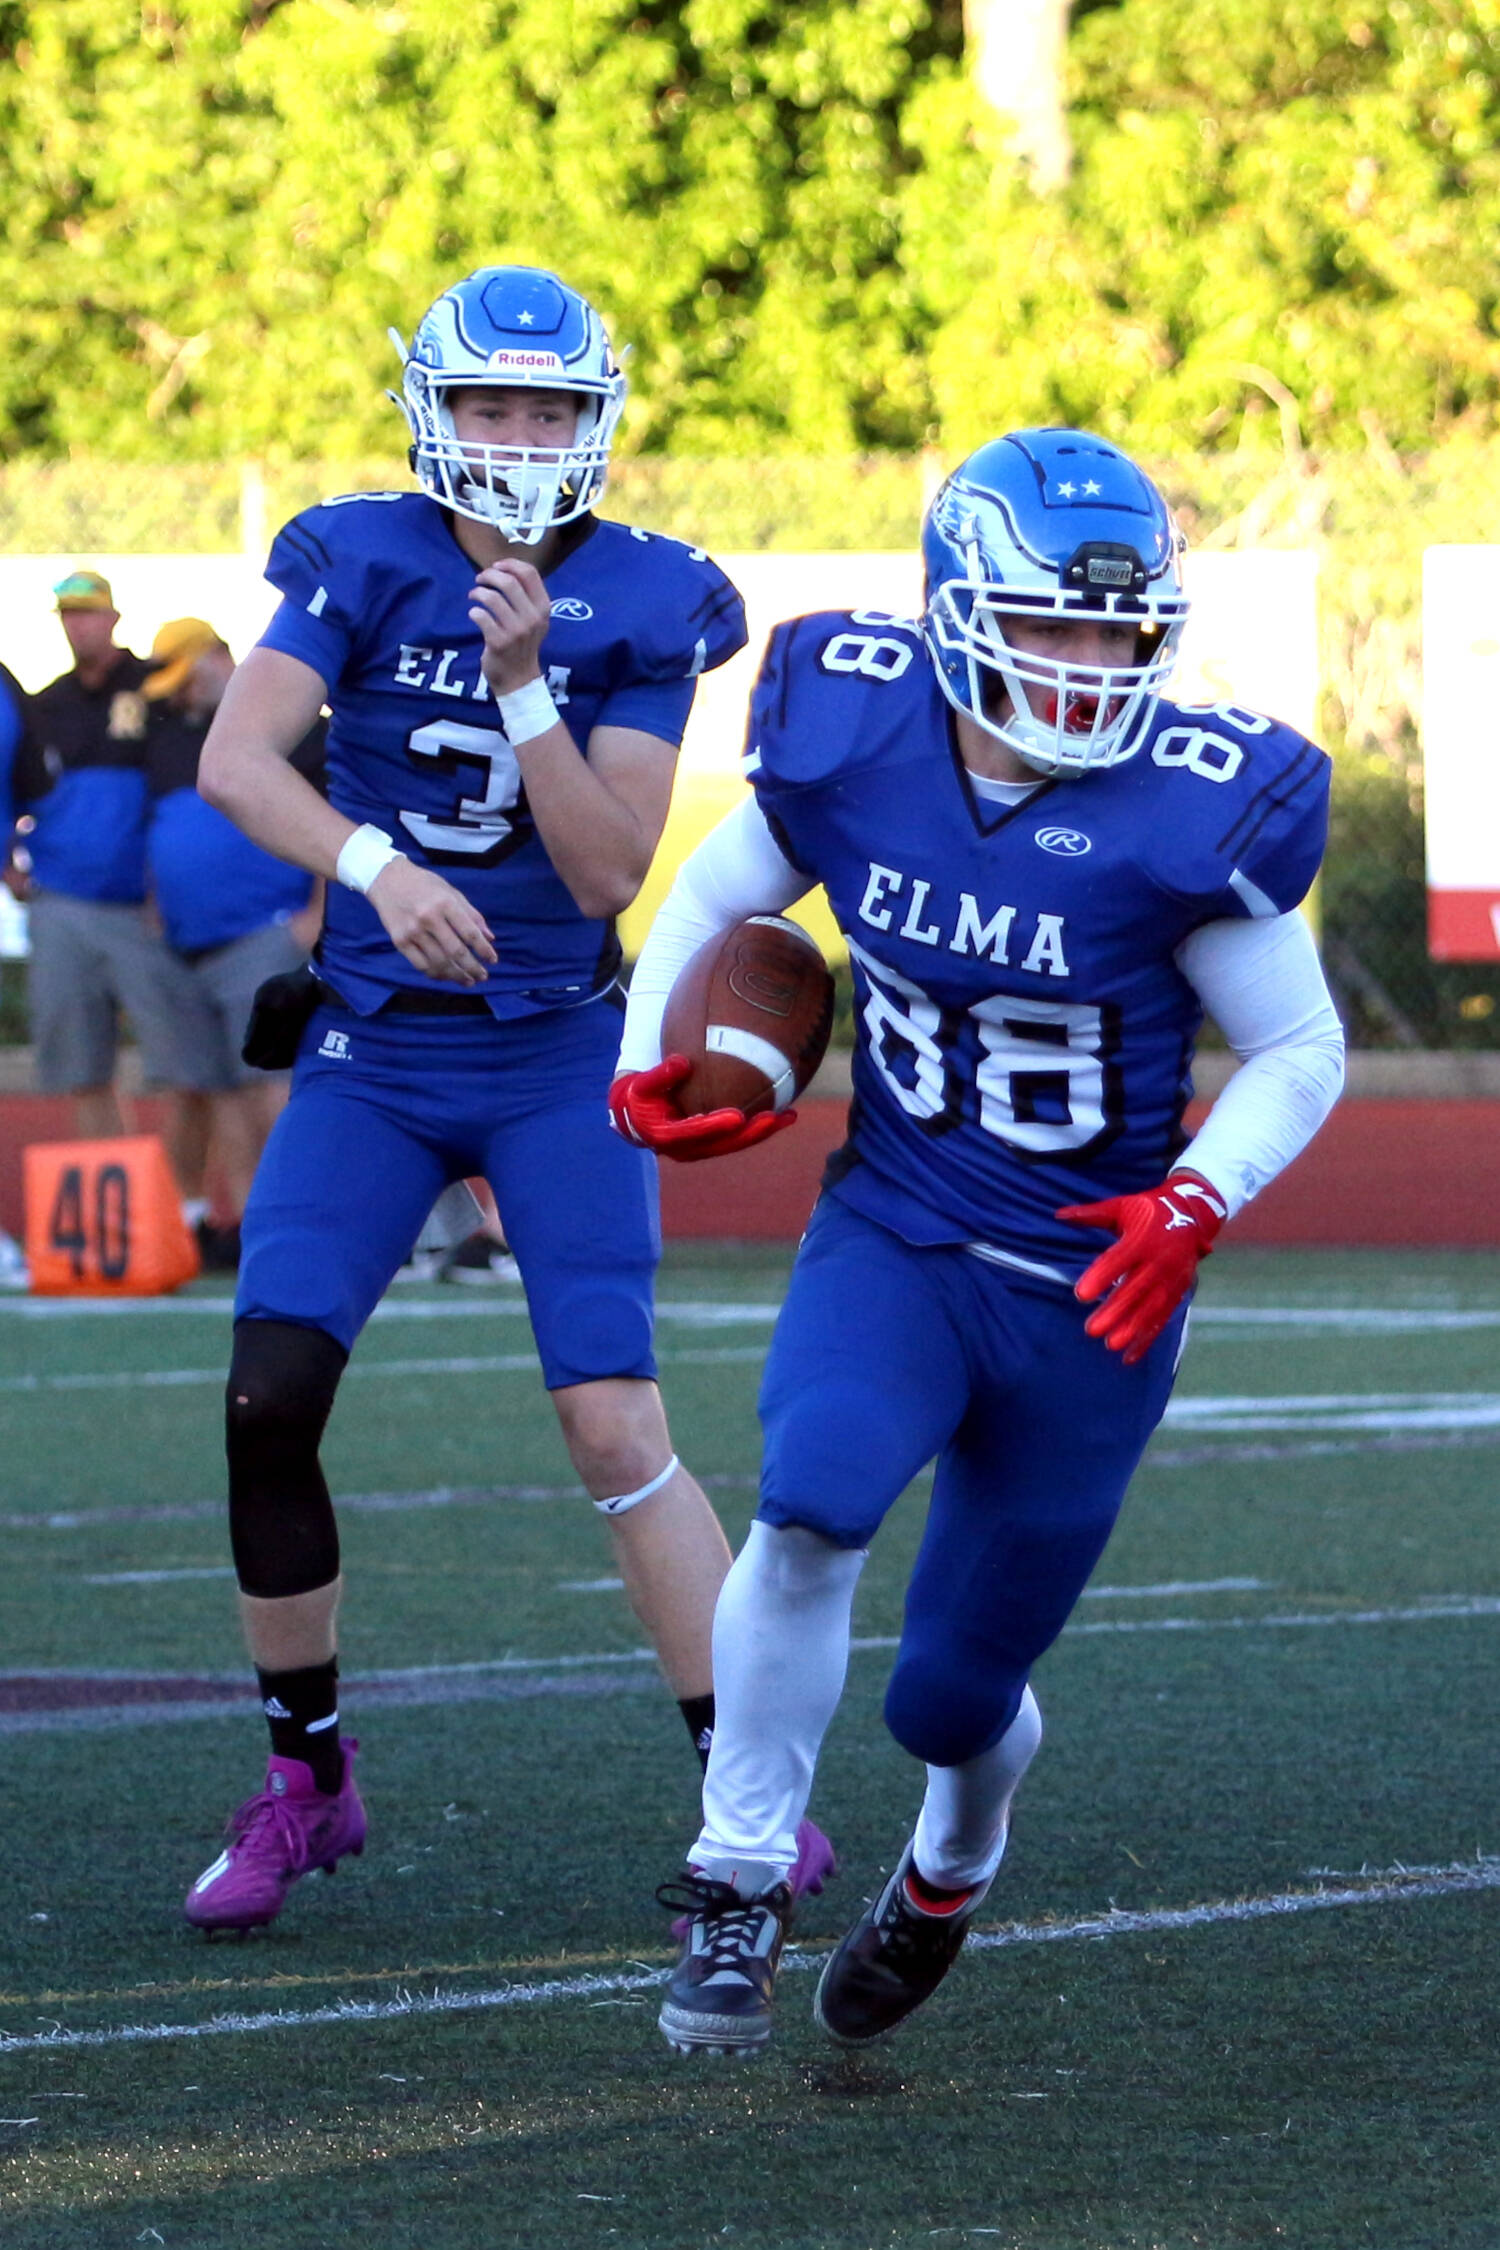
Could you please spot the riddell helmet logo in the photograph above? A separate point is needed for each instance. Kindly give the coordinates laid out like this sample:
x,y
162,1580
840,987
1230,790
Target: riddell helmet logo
x,y
1065,843
499,361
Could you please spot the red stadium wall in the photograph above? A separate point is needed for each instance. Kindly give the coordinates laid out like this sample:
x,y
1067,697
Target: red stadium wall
x,y
1388,1170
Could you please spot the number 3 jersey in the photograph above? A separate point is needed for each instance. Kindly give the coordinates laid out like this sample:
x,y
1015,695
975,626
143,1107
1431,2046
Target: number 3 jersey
x,y
375,594
1024,1034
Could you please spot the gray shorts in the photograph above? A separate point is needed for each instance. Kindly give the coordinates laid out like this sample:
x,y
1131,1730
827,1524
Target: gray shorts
x,y
89,963
226,980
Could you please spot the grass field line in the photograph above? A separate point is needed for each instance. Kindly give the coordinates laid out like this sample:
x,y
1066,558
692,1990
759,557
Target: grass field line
x,y
1422,1440
507,1679
1229,1414
454,1304
493,1363
1389,1886
1382,1320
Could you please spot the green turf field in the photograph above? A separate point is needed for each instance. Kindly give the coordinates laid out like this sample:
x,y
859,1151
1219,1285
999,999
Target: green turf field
x,y
1238,1984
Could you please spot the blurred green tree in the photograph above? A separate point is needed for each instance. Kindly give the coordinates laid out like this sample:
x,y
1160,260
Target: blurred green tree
x,y
820,237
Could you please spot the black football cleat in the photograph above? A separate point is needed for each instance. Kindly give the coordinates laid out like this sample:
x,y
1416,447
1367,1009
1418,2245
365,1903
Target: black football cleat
x,y
893,1959
719,1995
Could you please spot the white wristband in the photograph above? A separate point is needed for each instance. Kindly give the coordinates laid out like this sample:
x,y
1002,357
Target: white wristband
x,y
363,856
527,711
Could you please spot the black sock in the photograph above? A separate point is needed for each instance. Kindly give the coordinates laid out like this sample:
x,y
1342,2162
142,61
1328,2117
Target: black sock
x,y
302,1710
698,1711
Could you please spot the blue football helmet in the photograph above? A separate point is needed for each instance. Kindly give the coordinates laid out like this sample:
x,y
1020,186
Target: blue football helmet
x,y
513,327
1052,524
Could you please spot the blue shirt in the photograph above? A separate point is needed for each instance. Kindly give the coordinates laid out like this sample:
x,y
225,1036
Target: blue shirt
x,y
211,884
375,599
80,778
1024,1035
12,728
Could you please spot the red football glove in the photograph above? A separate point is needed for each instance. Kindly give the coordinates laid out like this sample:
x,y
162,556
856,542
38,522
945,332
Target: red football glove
x,y
643,1109
1149,1271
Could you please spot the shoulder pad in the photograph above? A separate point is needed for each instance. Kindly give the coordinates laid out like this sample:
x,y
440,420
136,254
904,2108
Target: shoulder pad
x,y
830,688
1248,815
686,616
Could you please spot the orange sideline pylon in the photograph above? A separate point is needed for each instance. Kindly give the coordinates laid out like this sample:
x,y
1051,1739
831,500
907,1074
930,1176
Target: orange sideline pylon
x,y
104,1219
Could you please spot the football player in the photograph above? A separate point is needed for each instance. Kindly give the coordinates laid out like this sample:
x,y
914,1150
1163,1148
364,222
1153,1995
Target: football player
x,y
1046,873
508,678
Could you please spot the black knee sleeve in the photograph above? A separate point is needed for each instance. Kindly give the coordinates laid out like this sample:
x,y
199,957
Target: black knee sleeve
x,y
282,1382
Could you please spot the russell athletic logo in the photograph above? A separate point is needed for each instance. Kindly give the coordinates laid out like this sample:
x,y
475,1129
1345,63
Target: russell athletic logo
x,y
335,1045
1065,843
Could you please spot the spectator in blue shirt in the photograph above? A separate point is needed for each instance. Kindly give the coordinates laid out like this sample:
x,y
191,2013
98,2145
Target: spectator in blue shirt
x,y
232,914
79,773
12,728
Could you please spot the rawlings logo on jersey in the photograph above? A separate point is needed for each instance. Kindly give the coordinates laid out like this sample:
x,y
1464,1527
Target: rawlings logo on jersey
x,y
572,610
1066,843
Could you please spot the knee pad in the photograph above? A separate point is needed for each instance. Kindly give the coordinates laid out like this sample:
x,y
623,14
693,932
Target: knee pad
x,y
282,1381
946,1718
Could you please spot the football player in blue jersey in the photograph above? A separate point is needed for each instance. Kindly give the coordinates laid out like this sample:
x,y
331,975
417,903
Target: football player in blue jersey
x,y
1046,874
508,678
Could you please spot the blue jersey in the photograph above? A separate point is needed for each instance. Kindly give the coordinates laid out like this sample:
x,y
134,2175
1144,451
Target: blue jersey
x,y
1024,1035
376,599
78,772
12,729
210,883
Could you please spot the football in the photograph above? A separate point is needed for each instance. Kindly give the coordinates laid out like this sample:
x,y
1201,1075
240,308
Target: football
x,y
752,1012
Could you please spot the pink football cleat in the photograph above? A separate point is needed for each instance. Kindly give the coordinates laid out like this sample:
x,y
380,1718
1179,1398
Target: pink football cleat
x,y
275,1837
815,1862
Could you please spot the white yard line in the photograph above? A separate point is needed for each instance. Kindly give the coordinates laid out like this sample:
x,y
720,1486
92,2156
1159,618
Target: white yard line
x,y
1232,1413
152,1577
498,1363
1390,1886
453,1305
1228,1414
1395,1320
620,1671
1356,1320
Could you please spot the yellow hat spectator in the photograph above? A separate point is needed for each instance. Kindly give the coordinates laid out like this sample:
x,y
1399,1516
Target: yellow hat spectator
x,y
175,650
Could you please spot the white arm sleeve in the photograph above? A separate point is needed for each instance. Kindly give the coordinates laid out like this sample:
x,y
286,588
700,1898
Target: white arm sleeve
x,y
1262,982
738,869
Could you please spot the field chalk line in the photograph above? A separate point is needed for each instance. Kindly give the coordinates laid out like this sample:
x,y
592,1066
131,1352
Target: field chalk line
x,y
1391,1886
618,1672
1235,1413
1387,1320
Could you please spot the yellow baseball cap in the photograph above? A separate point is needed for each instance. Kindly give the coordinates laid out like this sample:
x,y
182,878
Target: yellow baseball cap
x,y
176,649
83,589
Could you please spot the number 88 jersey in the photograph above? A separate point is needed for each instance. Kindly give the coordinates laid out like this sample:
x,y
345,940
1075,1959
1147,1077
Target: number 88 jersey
x,y
1024,1032
375,598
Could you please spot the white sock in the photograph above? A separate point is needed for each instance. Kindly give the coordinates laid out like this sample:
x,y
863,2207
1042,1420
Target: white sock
x,y
781,1649
965,1816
